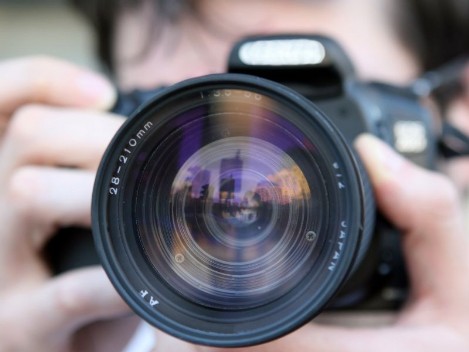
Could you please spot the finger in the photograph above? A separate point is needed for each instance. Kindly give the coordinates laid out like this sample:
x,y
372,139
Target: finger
x,y
110,335
57,136
426,207
465,81
43,199
458,170
458,114
3,123
317,338
73,300
51,81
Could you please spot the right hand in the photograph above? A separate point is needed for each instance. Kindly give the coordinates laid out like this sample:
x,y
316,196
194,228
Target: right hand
x,y
53,132
425,207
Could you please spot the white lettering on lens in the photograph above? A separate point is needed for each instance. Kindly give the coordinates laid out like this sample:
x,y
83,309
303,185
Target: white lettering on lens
x,y
339,176
141,133
124,157
339,247
219,93
153,302
149,299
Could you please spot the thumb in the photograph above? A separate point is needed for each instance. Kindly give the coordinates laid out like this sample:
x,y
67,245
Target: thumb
x,y
426,207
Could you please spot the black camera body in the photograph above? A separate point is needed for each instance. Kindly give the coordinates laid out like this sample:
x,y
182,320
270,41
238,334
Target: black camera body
x,y
317,68
231,209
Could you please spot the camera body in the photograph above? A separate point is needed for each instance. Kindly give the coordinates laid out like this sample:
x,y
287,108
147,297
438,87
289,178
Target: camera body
x,y
195,257
317,68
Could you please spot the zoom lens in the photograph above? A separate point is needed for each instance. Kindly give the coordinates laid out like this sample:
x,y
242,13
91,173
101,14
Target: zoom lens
x,y
228,211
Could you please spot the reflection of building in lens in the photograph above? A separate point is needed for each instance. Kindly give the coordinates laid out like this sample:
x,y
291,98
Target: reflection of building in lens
x,y
288,184
199,181
230,177
270,192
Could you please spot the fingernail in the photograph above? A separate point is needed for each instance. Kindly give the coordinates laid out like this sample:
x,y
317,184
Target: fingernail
x,y
99,91
381,161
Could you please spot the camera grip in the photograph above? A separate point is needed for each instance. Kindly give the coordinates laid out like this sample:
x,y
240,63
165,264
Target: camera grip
x,y
71,248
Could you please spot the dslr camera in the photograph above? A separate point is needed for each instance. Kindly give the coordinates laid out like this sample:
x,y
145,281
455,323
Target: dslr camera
x,y
231,209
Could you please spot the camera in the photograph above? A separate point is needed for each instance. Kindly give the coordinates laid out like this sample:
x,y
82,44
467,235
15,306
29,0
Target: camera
x,y
231,209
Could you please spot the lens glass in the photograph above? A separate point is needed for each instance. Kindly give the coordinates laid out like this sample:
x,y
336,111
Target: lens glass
x,y
230,201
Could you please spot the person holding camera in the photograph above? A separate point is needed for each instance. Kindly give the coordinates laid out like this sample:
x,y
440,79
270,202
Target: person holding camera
x,y
55,128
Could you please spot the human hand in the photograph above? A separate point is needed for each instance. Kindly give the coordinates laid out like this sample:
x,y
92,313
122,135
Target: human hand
x,y
425,206
52,135
457,113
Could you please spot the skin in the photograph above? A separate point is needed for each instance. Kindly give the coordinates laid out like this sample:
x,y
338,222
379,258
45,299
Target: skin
x,y
42,129
191,48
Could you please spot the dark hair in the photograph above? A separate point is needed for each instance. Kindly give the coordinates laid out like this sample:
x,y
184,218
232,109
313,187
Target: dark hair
x,y
103,16
436,31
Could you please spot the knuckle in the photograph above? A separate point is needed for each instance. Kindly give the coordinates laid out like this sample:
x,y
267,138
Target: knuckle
x,y
444,202
24,124
72,300
41,71
23,189
38,69
447,195
26,194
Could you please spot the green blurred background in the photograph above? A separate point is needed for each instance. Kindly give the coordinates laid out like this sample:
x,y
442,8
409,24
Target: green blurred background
x,y
50,27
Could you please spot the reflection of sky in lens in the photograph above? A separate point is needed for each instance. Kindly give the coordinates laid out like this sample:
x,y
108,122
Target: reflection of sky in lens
x,y
192,137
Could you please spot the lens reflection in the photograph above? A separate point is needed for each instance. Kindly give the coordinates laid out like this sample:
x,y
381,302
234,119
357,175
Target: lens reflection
x,y
228,226
231,196
237,206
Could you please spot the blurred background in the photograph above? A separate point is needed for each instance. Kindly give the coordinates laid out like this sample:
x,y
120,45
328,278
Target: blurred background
x,y
50,27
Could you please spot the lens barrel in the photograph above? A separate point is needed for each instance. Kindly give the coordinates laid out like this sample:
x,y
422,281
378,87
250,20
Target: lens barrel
x,y
228,210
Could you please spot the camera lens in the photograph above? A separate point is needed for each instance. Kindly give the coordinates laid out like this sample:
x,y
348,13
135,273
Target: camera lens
x,y
222,227
228,211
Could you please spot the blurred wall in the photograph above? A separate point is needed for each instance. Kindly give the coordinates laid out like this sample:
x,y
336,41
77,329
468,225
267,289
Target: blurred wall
x,y
50,27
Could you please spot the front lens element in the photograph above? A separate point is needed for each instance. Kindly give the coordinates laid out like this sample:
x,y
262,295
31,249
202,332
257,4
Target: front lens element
x,y
230,230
